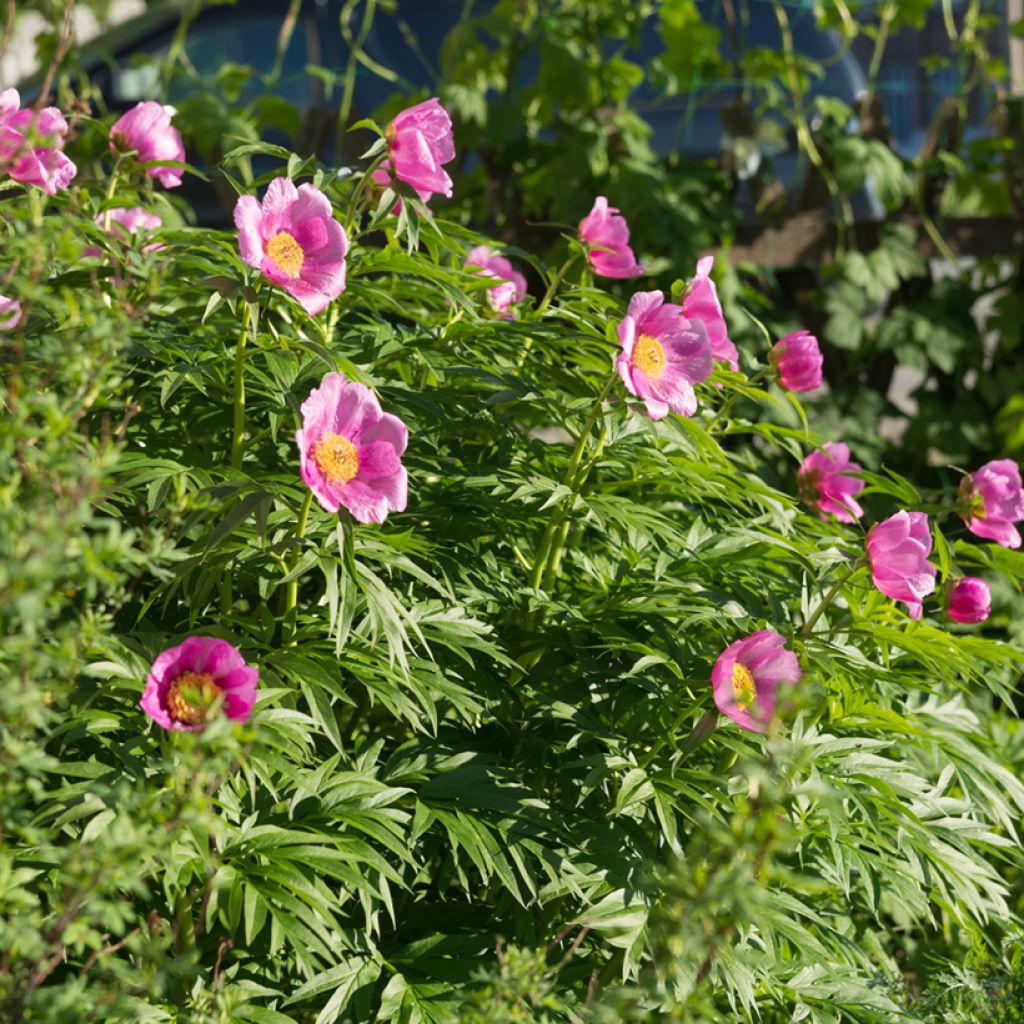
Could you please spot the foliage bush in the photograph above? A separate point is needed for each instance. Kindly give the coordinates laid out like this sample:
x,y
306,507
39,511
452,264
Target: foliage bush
x,y
485,779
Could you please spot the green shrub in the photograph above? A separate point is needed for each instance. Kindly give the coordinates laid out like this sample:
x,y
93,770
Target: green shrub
x,y
485,779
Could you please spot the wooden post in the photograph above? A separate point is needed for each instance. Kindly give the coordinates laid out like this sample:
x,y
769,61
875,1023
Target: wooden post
x,y
1015,47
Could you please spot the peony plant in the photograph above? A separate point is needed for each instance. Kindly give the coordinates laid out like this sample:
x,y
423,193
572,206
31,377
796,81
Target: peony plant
x,y
370,658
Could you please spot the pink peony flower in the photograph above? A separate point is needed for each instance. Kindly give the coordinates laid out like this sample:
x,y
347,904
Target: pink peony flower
x,y
747,676
608,234
350,451
190,684
419,142
798,361
295,241
898,549
969,600
146,129
701,303
10,313
826,486
663,355
136,220
993,500
511,286
31,143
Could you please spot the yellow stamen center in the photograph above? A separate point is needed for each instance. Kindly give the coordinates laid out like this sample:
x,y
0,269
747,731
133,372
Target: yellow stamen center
x,y
191,698
649,356
336,457
743,689
286,253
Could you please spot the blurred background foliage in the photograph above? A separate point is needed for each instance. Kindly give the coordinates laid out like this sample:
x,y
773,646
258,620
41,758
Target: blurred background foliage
x,y
461,797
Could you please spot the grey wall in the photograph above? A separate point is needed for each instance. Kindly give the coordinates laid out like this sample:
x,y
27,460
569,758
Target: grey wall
x,y
20,59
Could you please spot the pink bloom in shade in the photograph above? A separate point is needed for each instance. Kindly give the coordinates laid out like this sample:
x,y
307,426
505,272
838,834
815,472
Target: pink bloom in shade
x,y
190,684
798,361
146,129
826,486
295,241
663,355
31,143
511,286
701,303
10,313
898,549
608,234
969,600
419,141
993,500
350,451
136,220
383,178
747,676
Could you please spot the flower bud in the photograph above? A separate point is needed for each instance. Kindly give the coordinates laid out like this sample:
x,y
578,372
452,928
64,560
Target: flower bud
x,y
969,600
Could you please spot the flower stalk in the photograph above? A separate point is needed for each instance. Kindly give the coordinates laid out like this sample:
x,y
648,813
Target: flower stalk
x,y
555,282
238,402
292,592
111,191
549,548
829,597
701,732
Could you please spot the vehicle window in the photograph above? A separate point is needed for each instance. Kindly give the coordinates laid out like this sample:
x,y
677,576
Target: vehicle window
x,y
692,122
898,91
213,43
944,82
756,27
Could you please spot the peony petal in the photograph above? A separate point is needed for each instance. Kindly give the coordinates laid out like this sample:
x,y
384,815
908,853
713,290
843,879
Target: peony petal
x,y
642,305
281,194
624,368
310,203
366,504
318,410
999,530
377,459
248,219
388,429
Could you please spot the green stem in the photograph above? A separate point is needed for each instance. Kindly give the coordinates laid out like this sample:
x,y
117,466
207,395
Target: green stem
x,y
555,282
827,600
557,550
292,593
227,599
238,431
111,189
284,37
36,203
360,192
947,17
701,731
544,303
558,513
548,555
805,136
726,407
888,13
347,543
355,47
